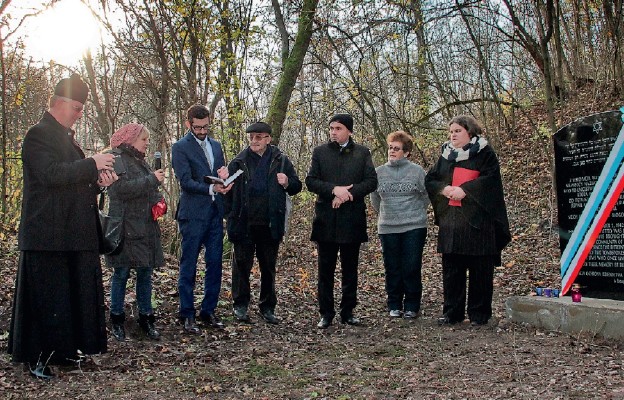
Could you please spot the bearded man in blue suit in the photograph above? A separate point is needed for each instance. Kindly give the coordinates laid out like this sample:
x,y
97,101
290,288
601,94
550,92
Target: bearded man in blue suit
x,y
199,216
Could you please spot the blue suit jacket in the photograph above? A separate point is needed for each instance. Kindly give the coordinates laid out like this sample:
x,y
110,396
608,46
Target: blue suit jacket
x,y
190,167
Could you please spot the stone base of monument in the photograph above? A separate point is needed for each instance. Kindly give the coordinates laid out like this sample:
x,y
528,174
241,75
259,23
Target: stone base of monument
x,y
600,317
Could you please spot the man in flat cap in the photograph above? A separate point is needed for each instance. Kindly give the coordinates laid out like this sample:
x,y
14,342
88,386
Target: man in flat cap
x,y
255,210
58,308
341,174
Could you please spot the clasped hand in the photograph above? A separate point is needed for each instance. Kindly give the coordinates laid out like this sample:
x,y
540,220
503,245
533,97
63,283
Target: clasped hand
x,y
453,192
341,195
106,173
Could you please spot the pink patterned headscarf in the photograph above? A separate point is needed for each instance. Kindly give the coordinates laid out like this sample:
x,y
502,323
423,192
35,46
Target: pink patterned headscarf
x,y
126,134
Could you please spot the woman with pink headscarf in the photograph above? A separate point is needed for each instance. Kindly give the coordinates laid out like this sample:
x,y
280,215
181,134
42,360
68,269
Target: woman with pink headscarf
x,y
133,196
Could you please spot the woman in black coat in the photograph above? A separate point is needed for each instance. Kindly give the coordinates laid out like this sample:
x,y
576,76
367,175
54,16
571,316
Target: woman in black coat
x,y
133,196
466,192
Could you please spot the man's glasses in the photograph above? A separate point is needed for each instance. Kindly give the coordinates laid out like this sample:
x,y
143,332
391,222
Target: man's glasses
x,y
200,128
257,137
395,148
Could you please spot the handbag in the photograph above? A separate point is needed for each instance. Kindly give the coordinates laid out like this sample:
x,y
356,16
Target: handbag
x,y
110,230
159,209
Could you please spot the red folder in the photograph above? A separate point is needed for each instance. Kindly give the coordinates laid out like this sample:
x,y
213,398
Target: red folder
x,y
461,176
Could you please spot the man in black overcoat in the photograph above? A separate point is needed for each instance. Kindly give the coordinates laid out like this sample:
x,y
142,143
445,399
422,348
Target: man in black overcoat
x,y
341,174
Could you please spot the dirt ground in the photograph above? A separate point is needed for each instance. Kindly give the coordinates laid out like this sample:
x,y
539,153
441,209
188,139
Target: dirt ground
x,y
383,359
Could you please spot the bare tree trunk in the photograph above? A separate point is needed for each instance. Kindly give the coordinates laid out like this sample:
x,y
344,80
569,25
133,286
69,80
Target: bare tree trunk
x,y
560,81
548,70
539,50
103,127
291,68
588,42
572,59
281,26
4,125
613,16
4,134
484,67
424,96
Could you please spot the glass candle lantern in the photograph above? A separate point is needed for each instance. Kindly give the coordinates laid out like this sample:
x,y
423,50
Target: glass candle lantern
x,y
576,293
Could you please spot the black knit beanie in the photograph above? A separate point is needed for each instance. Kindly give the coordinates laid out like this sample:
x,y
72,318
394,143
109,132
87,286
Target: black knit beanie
x,y
72,88
344,119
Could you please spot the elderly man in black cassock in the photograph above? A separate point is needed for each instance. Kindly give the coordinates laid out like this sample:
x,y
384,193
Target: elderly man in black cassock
x,y
58,308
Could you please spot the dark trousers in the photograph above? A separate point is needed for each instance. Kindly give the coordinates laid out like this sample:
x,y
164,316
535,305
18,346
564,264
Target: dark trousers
x,y
327,258
265,248
195,234
480,280
402,255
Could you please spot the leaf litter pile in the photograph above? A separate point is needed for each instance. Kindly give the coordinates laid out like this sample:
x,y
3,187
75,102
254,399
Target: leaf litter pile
x,y
382,359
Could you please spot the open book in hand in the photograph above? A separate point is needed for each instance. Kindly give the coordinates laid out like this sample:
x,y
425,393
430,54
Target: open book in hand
x,y
226,182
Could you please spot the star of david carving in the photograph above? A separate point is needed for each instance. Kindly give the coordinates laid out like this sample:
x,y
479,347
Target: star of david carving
x,y
597,126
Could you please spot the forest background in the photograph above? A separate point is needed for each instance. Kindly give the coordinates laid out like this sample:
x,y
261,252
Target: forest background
x,y
408,65
524,68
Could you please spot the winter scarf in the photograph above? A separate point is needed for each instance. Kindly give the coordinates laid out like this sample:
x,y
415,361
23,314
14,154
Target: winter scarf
x,y
453,154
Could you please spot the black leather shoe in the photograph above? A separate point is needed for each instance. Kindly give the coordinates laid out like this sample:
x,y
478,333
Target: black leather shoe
x,y
324,323
269,317
41,371
212,320
240,313
477,323
411,314
190,326
445,320
351,320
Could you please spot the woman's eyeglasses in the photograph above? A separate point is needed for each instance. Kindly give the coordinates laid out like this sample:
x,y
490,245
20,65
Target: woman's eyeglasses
x,y
395,148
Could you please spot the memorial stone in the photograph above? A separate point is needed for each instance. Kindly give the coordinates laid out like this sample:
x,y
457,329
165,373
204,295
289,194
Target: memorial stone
x,y
581,150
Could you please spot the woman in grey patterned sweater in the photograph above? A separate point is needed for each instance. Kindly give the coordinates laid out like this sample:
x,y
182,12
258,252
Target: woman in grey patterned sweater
x,y
401,201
